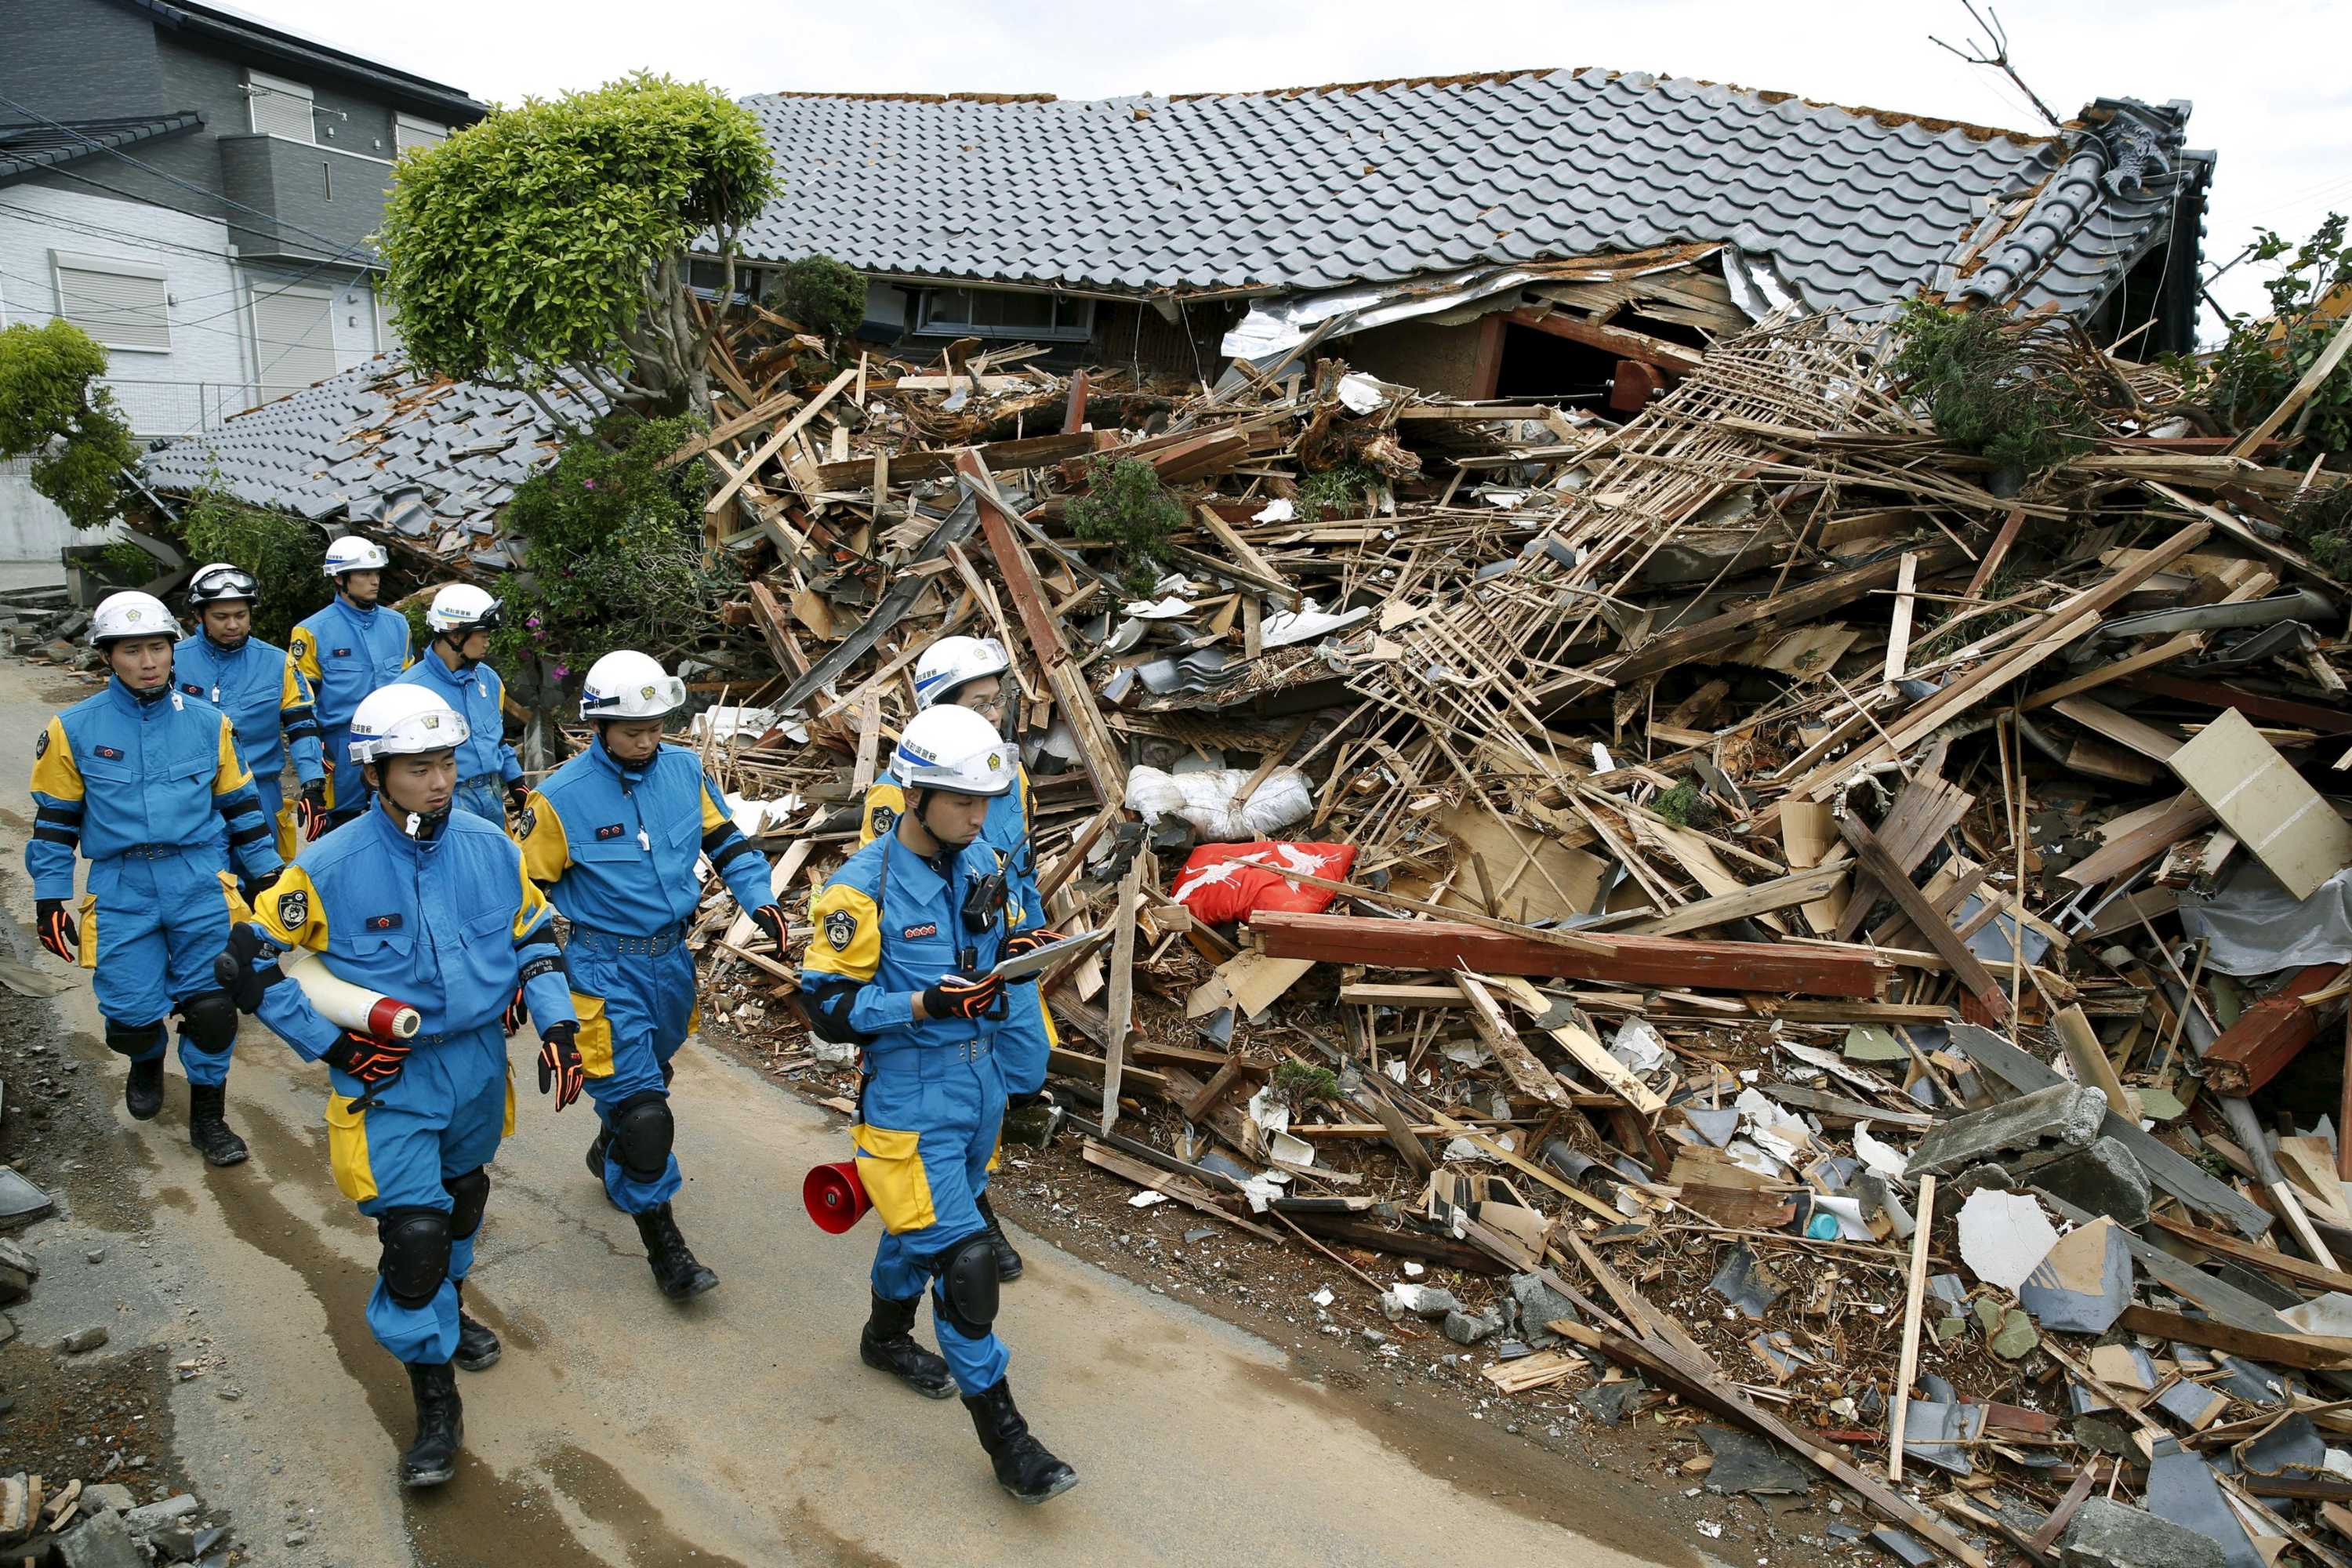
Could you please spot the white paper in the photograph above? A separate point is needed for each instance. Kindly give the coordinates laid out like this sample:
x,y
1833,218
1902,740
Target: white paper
x,y
1638,1046
1851,1224
2004,1236
1278,509
1360,394
1145,1199
1881,1157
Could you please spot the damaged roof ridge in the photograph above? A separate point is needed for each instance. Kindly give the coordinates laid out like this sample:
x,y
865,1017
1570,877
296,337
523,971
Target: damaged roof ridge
x,y
1890,118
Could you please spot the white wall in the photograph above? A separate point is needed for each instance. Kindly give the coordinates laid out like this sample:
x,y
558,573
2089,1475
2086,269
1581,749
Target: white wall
x,y
162,394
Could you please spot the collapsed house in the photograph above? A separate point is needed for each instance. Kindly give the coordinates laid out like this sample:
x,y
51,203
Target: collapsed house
x,y
1709,900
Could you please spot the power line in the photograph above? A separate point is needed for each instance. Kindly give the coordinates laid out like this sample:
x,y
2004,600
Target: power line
x,y
162,174
118,238
198,323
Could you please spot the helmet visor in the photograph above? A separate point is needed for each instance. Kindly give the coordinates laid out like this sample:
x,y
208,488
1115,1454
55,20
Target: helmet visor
x,y
218,583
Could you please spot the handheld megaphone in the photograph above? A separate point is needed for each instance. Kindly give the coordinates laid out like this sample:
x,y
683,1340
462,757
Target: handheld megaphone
x,y
835,1198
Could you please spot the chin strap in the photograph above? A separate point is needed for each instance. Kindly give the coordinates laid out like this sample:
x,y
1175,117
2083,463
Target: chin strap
x,y
426,826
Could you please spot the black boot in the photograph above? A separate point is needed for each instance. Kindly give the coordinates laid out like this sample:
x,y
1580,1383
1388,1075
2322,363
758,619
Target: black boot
x,y
440,1425
143,1092
674,1269
604,1141
206,1131
1008,1262
888,1345
478,1347
1024,1468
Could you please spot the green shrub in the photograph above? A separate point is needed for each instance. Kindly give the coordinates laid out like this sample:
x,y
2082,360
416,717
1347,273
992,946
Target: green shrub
x,y
1128,508
1985,389
1676,804
284,553
1340,490
52,411
1299,1084
615,551
2321,521
2264,357
824,296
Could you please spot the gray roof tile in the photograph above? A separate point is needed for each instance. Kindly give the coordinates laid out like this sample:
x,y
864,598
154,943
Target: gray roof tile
x,y
374,428
1319,187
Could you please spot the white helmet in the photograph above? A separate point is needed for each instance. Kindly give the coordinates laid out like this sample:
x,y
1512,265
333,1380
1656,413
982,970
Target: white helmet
x,y
121,616
352,553
626,684
953,748
951,662
404,720
461,607
220,583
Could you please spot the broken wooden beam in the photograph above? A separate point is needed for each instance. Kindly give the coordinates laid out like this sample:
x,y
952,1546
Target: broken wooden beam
x,y
1771,967
2272,1032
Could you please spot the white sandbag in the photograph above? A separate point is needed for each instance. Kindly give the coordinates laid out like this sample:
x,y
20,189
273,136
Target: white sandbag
x,y
1205,800
346,1005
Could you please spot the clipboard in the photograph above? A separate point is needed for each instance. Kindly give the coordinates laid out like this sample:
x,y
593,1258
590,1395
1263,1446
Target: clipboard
x,y
1038,960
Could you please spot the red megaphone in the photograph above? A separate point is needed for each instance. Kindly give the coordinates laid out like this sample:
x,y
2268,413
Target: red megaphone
x,y
836,1199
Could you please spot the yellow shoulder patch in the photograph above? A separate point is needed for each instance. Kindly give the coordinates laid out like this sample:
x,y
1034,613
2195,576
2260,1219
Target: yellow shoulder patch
x,y
848,939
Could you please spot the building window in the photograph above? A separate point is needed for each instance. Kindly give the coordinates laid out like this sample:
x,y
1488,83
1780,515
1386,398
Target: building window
x,y
294,337
278,107
408,132
121,304
706,279
1004,313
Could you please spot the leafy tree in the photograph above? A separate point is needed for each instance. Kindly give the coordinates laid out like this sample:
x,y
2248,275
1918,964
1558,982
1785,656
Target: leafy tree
x,y
615,553
549,242
825,296
1987,388
2264,357
284,553
1128,508
52,410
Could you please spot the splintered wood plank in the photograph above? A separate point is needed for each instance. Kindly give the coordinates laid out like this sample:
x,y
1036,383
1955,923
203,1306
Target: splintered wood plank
x,y
1873,858
2284,822
1121,1007
1532,1077
1558,1020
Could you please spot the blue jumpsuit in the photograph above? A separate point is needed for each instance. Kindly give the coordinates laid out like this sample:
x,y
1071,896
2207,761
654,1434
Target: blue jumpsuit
x,y
267,699
345,653
1026,1043
615,849
486,764
146,790
450,926
889,925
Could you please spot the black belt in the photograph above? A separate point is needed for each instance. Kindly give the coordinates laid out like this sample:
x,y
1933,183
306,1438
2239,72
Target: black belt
x,y
615,941
152,852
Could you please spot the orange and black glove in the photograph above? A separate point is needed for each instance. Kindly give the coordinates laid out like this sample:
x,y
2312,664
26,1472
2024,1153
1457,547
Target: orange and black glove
x,y
1028,941
770,919
560,1069
372,1061
518,796
55,928
513,1018
310,810
956,997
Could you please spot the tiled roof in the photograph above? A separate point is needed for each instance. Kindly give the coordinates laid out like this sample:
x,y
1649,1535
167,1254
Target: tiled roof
x,y
27,149
377,444
1291,191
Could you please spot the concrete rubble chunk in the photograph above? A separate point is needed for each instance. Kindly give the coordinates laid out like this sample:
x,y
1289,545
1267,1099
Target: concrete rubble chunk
x,y
1463,1328
102,1540
2105,1179
107,1494
155,1516
17,1272
2107,1534
2085,1282
83,1340
1539,1304
2022,1133
1417,1300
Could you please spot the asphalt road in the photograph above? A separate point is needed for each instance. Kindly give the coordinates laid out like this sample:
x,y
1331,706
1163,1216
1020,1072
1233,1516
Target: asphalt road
x,y
740,1429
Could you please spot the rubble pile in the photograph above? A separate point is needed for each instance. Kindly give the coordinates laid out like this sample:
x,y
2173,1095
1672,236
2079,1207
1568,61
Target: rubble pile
x,y
1756,910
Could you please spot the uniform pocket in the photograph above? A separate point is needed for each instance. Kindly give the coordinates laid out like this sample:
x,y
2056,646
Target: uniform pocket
x,y
595,1041
890,1164
347,1148
88,930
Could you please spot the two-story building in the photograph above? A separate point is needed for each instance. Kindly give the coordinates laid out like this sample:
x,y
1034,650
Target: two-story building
x,y
195,188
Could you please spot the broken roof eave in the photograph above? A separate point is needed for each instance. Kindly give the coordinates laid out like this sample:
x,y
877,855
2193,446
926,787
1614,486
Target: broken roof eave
x,y
1173,295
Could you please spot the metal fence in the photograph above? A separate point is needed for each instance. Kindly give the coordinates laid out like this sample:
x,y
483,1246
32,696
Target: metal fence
x,y
166,410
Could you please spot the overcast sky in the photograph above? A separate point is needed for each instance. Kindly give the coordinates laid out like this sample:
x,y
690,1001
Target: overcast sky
x,y
2268,80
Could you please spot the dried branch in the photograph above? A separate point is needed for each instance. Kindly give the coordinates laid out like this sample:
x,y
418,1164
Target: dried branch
x,y
1997,56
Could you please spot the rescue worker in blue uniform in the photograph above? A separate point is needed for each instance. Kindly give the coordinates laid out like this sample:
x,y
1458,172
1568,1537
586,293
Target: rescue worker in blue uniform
x,y
427,905
488,773
262,693
907,934
345,651
146,781
613,836
973,672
